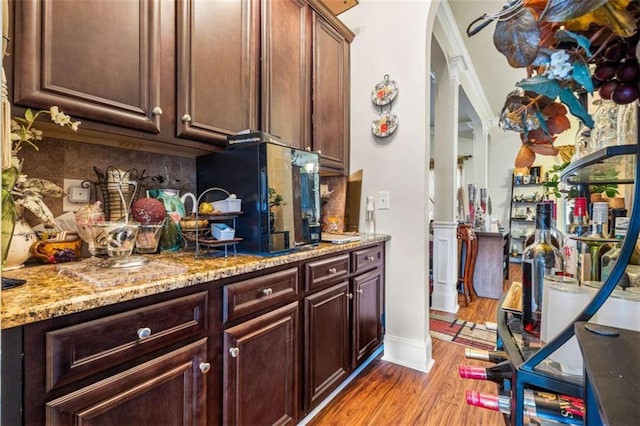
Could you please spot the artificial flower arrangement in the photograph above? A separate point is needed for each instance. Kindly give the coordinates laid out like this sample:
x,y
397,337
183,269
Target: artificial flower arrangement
x,y
567,47
20,192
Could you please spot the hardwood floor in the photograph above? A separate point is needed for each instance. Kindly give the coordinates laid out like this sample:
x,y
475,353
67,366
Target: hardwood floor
x,y
388,394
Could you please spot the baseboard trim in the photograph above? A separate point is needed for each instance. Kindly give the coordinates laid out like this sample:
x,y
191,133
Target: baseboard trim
x,y
409,353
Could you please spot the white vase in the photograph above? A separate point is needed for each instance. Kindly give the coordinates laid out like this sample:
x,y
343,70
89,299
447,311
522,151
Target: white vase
x,y
20,247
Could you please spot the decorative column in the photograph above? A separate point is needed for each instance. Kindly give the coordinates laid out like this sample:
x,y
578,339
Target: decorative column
x,y
445,244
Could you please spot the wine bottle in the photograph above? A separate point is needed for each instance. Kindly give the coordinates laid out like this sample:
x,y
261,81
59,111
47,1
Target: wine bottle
x,y
484,355
609,258
543,405
597,236
556,234
496,373
538,259
572,248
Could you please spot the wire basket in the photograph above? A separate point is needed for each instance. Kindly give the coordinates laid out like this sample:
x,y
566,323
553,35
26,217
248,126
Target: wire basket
x,y
118,190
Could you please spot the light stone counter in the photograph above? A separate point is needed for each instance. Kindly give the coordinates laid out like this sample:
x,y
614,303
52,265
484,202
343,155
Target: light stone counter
x,y
48,293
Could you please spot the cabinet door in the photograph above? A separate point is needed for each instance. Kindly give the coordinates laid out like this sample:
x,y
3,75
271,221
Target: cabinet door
x,y
330,96
286,71
326,342
367,316
217,56
97,60
170,390
261,369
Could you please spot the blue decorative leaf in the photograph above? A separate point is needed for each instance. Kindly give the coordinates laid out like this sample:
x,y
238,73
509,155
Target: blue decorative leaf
x,y
582,41
541,85
575,106
581,74
543,122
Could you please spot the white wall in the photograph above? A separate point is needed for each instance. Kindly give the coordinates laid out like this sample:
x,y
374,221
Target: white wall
x,y
392,38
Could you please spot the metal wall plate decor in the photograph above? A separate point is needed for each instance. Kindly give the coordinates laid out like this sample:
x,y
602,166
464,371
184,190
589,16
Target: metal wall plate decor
x,y
383,94
385,124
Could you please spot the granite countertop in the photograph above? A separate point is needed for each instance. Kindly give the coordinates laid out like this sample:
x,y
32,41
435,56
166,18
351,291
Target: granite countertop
x,y
57,290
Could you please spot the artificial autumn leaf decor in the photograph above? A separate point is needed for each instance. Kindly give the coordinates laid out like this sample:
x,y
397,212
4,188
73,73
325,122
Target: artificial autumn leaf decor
x,y
567,47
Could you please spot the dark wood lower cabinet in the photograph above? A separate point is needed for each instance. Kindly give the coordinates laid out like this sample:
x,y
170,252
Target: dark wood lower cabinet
x,y
168,390
326,342
367,315
261,369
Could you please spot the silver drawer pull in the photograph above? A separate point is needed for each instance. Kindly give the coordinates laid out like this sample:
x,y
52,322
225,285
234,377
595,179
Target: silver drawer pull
x,y
204,367
186,118
349,295
234,352
333,271
359,291
156,111
143,332
267,291
371,258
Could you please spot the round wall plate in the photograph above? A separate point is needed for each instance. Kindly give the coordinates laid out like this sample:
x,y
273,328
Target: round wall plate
x,y
384,92
385,124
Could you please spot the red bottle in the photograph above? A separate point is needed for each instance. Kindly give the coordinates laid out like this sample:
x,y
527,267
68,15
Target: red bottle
x,y
496,373
544,405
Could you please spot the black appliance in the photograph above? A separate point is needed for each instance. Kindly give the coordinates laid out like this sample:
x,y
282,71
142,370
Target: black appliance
x,y
280,191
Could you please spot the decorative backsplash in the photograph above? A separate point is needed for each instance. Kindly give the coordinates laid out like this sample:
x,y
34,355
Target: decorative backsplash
x,y
58,159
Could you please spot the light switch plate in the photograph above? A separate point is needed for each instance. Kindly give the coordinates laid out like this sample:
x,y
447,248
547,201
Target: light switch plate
x,y
383,200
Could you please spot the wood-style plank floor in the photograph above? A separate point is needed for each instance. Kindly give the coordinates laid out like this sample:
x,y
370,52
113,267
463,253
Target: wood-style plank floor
x,y
388,394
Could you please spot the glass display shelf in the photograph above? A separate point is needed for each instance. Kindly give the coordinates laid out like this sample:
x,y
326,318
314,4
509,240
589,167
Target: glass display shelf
x,y
521,346
609,165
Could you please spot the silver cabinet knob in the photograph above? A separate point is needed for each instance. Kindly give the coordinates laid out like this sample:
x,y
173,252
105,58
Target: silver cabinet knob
x,y
359,291
204,367
319,152
143,332
333,270
267,291
234,352
186,118
156,111
307,148
349,295
371,258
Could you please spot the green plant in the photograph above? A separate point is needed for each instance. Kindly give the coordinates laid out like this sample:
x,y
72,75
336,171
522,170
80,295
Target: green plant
x,y
275,199
609,189
551,185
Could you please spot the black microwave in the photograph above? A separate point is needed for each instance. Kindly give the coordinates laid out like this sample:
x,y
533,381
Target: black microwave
x,y
280,191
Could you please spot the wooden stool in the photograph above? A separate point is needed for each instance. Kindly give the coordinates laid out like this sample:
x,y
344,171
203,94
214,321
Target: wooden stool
x,y
467,253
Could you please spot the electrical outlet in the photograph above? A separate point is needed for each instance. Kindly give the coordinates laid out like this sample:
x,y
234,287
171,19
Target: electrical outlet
x,y
383,200
74,191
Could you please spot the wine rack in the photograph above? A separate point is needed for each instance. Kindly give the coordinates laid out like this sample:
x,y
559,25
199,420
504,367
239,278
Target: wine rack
x,y
530,360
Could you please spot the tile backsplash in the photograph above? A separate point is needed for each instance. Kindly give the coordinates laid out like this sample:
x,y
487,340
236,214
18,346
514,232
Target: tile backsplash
x,y
58,159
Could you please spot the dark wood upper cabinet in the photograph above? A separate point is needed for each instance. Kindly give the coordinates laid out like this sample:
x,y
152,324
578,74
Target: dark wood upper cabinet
x,y
217,66
97,60
286,71
188,73
331,96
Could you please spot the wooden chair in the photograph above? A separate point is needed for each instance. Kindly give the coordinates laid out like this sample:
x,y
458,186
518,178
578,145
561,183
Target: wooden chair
x,y
467,253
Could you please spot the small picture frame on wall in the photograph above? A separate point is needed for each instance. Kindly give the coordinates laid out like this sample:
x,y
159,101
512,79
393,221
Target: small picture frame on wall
x,y
536,174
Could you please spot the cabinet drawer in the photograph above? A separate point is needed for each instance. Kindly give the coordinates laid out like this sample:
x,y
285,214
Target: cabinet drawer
x,y
323,272
368,258
258,293
85,349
